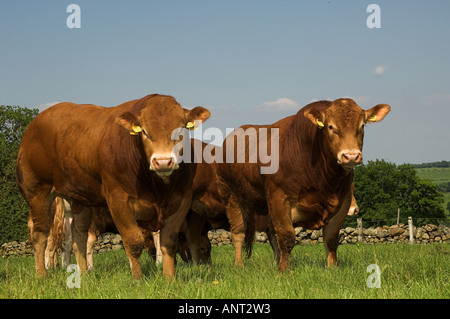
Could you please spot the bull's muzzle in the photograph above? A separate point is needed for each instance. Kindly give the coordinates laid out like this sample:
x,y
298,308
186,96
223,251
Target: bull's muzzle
x,y
163,166
349,159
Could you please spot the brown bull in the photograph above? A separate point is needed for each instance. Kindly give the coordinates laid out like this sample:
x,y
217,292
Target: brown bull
x,y
206,212
318,149
120,157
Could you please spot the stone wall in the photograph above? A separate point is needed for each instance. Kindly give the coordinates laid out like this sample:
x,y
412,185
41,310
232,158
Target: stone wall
x,y
385,234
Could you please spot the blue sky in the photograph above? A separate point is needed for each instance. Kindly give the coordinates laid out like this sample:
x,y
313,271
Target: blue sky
x,y
249,62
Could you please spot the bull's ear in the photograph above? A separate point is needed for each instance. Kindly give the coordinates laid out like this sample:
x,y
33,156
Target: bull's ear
x,y
315,116
377,113
130,122
196,116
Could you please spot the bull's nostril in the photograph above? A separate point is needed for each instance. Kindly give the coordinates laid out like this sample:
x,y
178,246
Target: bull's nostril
x,y
155,163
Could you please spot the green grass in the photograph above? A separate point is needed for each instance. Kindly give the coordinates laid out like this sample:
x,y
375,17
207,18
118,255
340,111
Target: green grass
x,y
437,175
420,271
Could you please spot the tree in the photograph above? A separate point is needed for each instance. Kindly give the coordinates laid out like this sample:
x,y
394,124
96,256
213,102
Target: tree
x,y
13,208
382,187
444,187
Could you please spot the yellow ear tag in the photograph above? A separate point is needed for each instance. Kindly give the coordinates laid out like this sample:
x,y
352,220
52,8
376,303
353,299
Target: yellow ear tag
x,y
373,118
135,130
191,126
319,123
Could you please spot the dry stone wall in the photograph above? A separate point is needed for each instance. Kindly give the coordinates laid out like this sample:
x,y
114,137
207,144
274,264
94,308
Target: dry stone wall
x,y
385,234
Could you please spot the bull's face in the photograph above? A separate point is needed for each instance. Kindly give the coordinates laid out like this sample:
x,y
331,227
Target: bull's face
x,y
159,116
343,125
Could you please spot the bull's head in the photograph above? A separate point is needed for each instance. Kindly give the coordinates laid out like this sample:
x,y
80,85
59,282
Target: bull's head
x,y
343,125
153,119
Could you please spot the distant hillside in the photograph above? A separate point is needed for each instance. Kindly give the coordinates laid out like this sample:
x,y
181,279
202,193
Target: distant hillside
x,y
432,164
437,175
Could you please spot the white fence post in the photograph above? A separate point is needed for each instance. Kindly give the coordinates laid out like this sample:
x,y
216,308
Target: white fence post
x,y
411,236
360,230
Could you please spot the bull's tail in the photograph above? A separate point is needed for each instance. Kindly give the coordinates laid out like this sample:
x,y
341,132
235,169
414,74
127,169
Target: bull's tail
x,y
249,223
58,223
55,237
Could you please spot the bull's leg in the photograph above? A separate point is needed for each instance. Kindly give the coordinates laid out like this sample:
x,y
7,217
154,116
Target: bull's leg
x,y
331,234
133,242
81,221
235,218
92,238
158,252
51,258
195,224
97,227
205,248
273,242
169,236
67,243
40,227
237,230
331,243
331,239
132,238
39,242
279,211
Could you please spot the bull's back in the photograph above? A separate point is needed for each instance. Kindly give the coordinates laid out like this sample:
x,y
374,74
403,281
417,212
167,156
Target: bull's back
x,y
61,146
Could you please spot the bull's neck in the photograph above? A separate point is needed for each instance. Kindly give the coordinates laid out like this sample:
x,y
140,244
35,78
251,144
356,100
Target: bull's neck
x,y
310,160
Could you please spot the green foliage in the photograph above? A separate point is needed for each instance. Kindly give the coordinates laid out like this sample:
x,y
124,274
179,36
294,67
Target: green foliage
x,y
13,208
382,187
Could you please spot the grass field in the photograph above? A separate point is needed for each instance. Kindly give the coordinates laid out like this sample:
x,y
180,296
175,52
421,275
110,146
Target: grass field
x,y
419,271
437,175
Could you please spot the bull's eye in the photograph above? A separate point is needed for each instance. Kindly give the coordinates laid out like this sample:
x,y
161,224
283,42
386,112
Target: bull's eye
x,y
333,130
146,134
